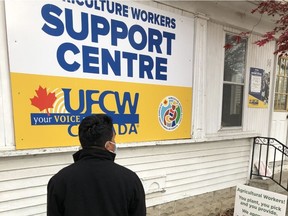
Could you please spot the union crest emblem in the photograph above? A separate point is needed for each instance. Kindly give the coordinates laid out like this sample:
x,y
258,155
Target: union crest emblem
x,y
170,113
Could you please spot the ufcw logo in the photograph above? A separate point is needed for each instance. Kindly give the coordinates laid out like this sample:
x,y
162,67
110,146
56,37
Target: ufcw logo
x,y
57,108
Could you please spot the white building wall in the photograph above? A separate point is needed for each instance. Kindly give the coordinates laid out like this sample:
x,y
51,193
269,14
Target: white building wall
x,y
190,168
23,181
257,57
260,57
170,170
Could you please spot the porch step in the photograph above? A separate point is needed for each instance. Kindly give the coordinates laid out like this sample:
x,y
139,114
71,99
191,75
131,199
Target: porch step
x,y
270,185
277,166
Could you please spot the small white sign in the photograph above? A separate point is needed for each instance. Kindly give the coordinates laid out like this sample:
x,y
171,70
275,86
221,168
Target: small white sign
x,y
257,202
256,83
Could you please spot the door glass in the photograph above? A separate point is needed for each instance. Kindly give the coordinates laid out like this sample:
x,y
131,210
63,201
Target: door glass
x,y
281,87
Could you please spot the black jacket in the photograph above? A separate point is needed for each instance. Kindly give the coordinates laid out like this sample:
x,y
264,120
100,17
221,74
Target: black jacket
x,y
95,186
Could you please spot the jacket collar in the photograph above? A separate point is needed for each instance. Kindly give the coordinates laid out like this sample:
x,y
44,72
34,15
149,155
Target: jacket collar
x,y
93,153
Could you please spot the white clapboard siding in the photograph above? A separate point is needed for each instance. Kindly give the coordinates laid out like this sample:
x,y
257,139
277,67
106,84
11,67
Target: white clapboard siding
x,y
36,210
10,195
23,182
6,163
190,169
29,172
179,163
263,58
187,169
20,204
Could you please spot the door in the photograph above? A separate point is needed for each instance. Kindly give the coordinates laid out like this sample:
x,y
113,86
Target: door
x,y
280,113
279,127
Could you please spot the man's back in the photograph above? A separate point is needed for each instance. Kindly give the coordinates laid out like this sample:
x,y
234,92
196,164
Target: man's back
x,y
95,185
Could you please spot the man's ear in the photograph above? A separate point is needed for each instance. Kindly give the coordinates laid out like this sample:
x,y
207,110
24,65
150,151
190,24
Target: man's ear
x,y
109,146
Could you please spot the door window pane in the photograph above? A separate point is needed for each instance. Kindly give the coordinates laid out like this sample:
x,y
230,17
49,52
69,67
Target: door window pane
x,y
281,87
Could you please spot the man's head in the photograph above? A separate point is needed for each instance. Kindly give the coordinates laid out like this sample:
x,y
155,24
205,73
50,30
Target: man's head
x,y
95,130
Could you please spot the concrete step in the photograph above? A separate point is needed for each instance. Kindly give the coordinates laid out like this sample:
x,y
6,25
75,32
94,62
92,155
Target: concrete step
x,y
277,166
270,185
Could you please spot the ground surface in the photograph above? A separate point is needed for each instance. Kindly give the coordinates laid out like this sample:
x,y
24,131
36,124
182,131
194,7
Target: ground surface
x,y
229,212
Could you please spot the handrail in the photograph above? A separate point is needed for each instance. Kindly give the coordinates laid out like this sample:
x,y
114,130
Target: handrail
x,y
273,148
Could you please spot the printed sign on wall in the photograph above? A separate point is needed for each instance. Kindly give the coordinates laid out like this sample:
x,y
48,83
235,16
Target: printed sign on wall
x,y
258,88
69,59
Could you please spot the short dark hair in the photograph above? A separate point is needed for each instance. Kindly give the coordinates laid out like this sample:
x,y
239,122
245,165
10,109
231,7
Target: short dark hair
x,y
95,130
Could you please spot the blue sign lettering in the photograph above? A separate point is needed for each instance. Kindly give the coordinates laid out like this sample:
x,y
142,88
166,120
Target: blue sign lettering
x,y
95,28
123,112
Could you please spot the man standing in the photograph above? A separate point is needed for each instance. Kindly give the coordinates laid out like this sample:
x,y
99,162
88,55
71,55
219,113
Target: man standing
x,y
94,185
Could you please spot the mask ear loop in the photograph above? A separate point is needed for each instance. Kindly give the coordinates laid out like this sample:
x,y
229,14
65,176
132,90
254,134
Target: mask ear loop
x,y
110,146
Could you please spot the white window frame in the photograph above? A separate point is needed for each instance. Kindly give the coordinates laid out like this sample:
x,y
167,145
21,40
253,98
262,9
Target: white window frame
x,y
6,123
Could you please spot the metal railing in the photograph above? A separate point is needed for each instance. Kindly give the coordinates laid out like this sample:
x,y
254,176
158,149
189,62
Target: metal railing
x,y
267,155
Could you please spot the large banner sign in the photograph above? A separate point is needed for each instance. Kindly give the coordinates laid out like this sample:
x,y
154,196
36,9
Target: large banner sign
x,y
72,58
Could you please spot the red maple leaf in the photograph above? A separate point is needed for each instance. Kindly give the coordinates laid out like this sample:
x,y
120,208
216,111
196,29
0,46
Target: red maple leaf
x,y
261,42
237,38
228,46
43,100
